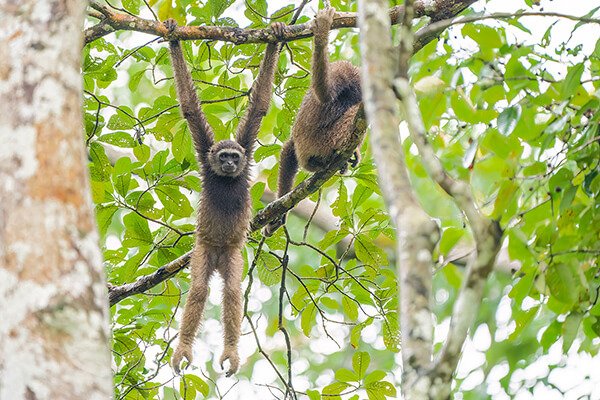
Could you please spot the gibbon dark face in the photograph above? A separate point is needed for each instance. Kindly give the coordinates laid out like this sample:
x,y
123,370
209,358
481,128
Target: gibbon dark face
x,y
227,158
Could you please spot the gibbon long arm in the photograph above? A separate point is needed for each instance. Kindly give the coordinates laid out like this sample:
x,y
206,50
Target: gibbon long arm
x,y
190,104
260,97
320,59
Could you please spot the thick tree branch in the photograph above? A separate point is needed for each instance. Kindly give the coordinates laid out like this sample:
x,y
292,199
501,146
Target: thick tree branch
x,y
115,21
487,235
416,232
263,217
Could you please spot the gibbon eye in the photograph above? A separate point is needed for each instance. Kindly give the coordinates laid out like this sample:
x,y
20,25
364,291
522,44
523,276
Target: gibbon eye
x,y
236,156
222,157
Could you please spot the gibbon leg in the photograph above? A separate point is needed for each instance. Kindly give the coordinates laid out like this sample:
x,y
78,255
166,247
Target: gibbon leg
x,y
288,167
231,308
201,271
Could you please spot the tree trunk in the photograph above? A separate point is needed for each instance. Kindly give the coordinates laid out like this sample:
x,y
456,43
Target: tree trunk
x,y
54,325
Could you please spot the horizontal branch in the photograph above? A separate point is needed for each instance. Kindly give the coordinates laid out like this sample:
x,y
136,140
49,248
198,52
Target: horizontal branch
x,y
271,212
114,21
431,31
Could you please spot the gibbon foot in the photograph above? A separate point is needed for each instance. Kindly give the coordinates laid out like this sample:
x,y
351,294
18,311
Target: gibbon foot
x,y
355,159
274,225
171,25
180,353
278,29
230,354
323,20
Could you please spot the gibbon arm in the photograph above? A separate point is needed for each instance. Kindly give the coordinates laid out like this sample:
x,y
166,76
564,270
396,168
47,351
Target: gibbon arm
x,y
260,95
320,58
190,105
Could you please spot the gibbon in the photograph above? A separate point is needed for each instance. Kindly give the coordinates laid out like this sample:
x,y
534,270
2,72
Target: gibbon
x,y
225,210
325,122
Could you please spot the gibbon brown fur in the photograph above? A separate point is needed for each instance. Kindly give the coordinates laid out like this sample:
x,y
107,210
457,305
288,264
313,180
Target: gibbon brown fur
x,y
325,122
225,210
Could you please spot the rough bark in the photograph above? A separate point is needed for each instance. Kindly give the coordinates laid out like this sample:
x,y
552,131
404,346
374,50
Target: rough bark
x,y
416,232
54,331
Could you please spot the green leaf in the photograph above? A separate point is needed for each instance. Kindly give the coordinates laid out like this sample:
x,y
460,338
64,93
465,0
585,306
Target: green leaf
x,y
122,120
570,329
558,125
507,120
269,269
137,232
345,375
122,176
536,168
100,169
174,201
308,319
335,388
360,195
380,390
391,332
357,330
132,6
374,376
572,80
522,321
367,252
255,10
350,308
551,335
119,139
142,152
104,217
450,237
562,282
266,151
453,275
313,395
505,196
521,289
360,363
190,384
219,6
462,107
181,145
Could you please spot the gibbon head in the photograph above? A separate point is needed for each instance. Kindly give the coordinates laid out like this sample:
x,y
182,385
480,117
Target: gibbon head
x,y
227,158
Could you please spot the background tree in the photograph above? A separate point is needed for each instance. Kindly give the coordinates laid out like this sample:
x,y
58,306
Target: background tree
x,y
501,150
54,331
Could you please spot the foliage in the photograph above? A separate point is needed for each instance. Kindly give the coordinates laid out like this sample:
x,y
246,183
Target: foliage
x,y
516,120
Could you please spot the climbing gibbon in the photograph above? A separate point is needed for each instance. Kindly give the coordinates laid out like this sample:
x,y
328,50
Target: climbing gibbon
x,y
325,122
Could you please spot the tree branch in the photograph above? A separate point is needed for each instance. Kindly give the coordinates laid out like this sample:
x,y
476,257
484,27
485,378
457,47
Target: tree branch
x,y
416,232
114,21
487,235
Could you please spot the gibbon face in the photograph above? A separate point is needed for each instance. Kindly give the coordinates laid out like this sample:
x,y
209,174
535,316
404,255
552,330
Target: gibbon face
x,y
227,158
